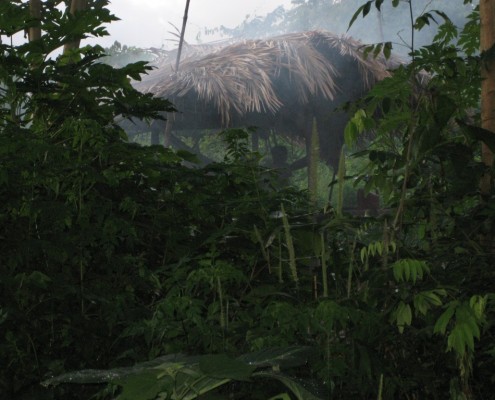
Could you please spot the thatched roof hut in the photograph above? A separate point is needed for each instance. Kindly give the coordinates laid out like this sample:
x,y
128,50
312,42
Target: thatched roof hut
x,y
280,83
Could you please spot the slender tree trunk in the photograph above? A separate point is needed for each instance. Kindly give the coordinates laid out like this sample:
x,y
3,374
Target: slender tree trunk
x,y
171,116
487,41
34,33
75,6
182,34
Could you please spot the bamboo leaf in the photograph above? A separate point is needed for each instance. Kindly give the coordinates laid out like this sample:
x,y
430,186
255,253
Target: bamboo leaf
x,y
360,10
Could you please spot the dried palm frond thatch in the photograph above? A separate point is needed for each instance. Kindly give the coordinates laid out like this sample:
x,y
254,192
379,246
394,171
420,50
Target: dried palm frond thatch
x,y
242,77
278,84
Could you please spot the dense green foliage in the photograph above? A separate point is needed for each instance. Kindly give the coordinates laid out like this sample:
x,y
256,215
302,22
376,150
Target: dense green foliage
x,y
114,254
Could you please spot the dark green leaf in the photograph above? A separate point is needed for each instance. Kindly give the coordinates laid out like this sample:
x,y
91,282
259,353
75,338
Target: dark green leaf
x,y
298,387
480,134
221,366
142,386
283,357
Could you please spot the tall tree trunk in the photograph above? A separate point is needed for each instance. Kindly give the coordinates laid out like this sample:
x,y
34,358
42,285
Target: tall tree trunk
x,y
34,33
182,34
487,41
75,6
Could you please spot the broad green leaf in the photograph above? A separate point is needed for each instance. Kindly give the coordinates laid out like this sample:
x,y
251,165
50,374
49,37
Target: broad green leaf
x,y
223,367
284,357
142,386
294,385
479,134
190,387
88,376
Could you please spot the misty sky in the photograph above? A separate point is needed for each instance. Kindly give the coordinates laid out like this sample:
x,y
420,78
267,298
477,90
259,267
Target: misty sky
x,y
145,23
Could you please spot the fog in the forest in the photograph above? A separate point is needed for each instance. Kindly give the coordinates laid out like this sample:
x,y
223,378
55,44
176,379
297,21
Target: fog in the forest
x,y
153,23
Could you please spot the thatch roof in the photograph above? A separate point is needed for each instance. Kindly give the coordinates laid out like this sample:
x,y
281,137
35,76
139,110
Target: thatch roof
x,y
242,77
277,84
